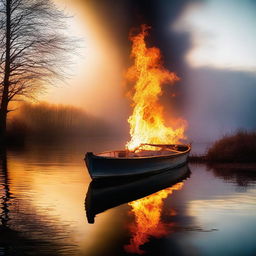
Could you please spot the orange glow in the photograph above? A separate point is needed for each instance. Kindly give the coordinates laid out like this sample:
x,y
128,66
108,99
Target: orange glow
x,y
147,123
147,212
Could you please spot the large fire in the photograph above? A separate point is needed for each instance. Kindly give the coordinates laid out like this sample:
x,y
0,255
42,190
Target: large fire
x,y
147,123
147,212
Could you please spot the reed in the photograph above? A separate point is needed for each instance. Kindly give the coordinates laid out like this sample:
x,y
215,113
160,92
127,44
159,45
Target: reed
x,y
237,148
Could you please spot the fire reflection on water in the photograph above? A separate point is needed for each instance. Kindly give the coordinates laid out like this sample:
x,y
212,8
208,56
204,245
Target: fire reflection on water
x,y
147,212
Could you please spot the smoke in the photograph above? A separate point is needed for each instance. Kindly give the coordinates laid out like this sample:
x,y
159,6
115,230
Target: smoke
x,y
215,101
220,102
120,18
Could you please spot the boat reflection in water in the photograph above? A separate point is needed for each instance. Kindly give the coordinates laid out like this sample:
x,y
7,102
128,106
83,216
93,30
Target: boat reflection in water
x,y
147,212
106,194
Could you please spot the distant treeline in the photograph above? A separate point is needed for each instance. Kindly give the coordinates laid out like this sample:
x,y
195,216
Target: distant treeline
x,y
43,120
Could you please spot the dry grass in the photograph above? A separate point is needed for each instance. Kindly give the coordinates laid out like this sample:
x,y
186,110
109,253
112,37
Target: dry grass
x,y
237,148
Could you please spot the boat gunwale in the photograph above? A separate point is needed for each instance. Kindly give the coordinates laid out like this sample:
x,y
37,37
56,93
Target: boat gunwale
x,y
143,157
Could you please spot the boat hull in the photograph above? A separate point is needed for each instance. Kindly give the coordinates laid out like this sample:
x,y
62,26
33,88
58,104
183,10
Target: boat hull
x,y
103,195
106,167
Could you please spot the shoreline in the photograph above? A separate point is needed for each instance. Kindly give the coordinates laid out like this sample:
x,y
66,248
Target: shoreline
x,y
202,159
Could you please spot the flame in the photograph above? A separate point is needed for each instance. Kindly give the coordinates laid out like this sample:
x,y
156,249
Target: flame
x,y
147,122
148,222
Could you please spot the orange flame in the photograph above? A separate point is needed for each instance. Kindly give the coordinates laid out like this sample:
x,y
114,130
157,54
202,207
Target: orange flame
x,y
147,213
147,122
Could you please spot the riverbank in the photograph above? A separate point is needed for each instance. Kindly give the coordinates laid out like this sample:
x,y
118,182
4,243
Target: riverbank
x,y
197,159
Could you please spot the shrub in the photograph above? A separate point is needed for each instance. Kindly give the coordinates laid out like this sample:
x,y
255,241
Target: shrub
x,y
240,147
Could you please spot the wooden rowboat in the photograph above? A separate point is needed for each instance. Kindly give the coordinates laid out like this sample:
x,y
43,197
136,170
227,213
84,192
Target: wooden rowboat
x,y
105,194
123,163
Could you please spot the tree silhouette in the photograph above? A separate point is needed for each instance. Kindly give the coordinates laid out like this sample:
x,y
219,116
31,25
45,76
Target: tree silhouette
x,y
32,43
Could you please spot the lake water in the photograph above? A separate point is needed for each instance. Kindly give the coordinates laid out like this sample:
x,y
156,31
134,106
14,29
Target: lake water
x,y
42,209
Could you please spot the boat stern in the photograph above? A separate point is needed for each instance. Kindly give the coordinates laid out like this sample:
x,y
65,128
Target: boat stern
x,y
89,162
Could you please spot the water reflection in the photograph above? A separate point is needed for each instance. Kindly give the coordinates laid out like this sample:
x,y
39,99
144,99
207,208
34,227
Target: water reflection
x,y
147,213
242,174
4,200
106,194
20,229
42,196
5,191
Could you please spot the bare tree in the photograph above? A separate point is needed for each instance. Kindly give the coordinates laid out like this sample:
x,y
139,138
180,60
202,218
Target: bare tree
x,y
32,47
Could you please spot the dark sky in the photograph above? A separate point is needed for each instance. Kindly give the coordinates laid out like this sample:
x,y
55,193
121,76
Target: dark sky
x,y
123,17
215,99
